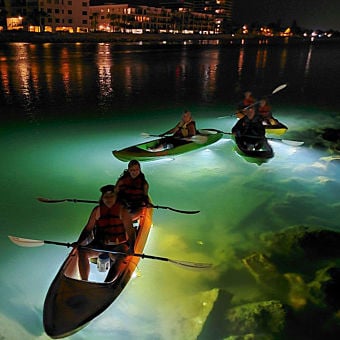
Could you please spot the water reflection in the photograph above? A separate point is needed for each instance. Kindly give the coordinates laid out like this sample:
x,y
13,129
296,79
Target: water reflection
x,y
45,78
104,64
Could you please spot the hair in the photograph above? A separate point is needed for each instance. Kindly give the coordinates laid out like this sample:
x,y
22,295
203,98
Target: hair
x,y
106,188
133,162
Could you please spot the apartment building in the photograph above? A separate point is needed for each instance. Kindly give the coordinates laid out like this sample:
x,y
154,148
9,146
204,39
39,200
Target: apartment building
x,y
136,16
65,15
136,19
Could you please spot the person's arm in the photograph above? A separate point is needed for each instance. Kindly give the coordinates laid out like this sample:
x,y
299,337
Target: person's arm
x,y
171,131
237,128
86,235
130,230
146,193
192,129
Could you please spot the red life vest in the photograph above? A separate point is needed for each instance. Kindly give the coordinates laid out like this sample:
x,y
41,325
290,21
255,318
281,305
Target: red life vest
x,y
264,110
109,226
131,189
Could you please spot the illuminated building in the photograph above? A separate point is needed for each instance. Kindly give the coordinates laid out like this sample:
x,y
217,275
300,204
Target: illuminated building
x,y
134,16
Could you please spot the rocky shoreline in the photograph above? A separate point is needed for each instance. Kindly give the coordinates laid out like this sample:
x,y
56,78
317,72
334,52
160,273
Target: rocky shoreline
x,y
297,275
102,37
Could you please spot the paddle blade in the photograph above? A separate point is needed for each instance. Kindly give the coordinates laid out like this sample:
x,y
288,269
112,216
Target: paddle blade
x,y
25,242
47,200
198,139
292,142
279,88
195,265
287,141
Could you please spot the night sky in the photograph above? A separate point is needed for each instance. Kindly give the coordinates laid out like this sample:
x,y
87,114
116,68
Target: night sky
x,y
310,14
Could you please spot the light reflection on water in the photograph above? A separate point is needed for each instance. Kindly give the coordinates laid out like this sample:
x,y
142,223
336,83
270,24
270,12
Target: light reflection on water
x,y
83,101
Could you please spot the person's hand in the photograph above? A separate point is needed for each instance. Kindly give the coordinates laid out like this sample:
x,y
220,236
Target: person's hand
x,y
74,244
130,250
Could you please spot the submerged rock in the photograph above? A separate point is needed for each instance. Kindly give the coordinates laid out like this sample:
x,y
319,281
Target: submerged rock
x,y
301,248
266,317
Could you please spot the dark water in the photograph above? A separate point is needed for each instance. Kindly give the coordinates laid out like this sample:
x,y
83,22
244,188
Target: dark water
x,y
65,107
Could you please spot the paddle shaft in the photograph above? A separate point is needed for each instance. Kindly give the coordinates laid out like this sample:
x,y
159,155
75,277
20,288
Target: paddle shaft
x,y
285,141
23,242
75,200
276,90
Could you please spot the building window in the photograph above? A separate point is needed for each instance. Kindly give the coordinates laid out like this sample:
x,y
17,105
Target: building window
x,y
84,22
70,21
69,11
84,12
69,3
84,4
57,20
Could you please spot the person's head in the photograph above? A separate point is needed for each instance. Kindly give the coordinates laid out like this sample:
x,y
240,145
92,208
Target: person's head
x,y
186,117
108,196
250,112
134,168
247,94
263,102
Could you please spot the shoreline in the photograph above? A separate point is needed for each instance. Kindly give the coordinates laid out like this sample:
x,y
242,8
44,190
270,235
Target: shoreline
x,y
161,38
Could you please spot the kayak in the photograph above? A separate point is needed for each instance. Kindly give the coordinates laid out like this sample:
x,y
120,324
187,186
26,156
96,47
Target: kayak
x,y
254,147
273,126
167,146
71,303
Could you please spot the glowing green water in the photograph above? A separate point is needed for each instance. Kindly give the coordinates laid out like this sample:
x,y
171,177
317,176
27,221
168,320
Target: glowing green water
x,y
66,107
237,199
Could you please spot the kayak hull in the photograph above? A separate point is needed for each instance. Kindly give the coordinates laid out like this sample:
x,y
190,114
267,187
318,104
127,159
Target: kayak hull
x,y
254,148
147,151
71,303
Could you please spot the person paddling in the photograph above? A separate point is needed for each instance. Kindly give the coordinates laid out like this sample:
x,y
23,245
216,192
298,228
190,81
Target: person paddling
x,y
250,129
109,227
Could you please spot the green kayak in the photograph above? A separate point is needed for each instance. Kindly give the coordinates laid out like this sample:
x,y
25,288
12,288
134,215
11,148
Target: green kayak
x,y
167,146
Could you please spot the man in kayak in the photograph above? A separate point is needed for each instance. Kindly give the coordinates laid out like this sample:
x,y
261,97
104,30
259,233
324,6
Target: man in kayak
x,y
250,129
133,189
109,227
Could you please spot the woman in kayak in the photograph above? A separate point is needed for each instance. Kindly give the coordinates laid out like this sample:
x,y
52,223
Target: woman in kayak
x,y
109,227
247,100
186,127
132,189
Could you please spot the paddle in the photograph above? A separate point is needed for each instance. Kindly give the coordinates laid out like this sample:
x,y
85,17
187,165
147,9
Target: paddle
x,y
285,141
75,200
276,90
198,139
25,242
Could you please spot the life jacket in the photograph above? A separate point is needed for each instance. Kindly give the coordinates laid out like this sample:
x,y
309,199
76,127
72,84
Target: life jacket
x,y
131,190
251,127
183,128
264,111
109,226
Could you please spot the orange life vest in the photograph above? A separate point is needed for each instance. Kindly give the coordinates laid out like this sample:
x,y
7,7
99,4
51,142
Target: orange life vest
x,y
264,111
109,226
183,128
